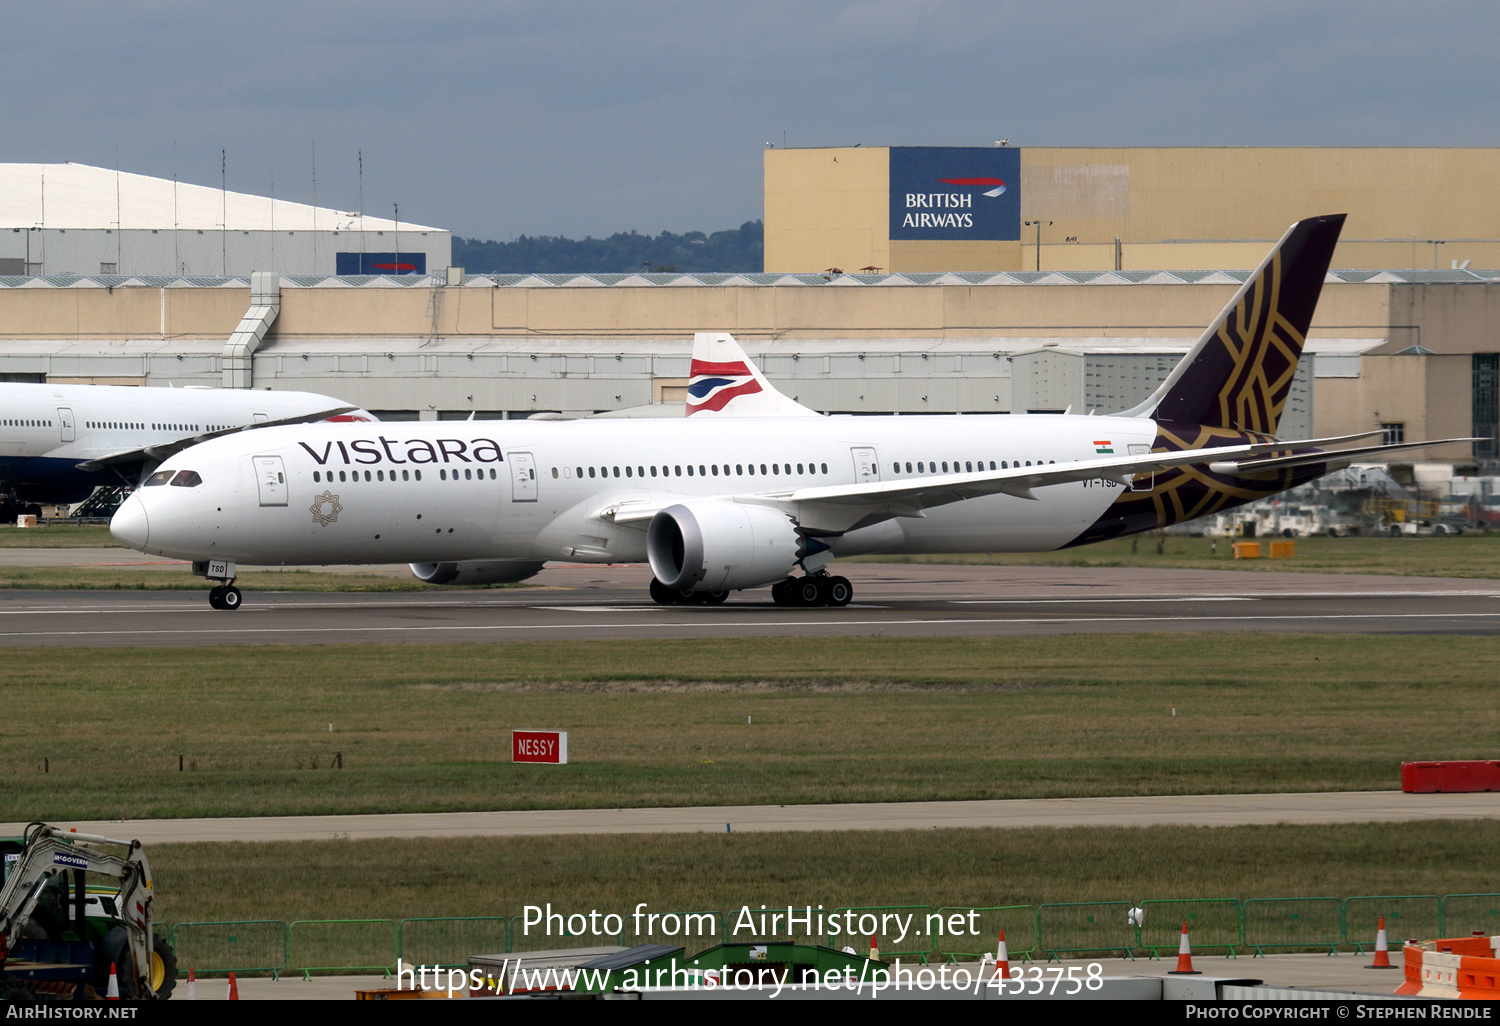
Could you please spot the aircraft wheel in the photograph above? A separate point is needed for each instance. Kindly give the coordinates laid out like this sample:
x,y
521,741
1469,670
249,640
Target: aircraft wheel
x,y
714,598
810,591
231,598
840,591
216,597
661,594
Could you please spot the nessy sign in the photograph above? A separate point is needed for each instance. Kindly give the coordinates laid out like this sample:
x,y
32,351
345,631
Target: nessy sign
x,y
955,193
549,746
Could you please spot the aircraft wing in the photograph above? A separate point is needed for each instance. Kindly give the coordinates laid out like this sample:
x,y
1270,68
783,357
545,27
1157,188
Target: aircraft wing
x,y
153,454
836,508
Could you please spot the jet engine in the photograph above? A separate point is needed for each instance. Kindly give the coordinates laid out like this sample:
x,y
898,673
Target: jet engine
x,y
476,571
722,546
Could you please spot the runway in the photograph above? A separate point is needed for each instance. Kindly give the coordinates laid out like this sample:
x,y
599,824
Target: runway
x,y
891,600
1179,810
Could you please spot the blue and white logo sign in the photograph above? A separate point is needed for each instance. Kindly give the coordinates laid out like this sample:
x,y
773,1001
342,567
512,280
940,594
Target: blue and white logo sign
x,y
62,858
955,193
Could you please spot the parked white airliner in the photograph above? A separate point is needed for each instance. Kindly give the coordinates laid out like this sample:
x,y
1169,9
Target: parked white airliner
x,y
751,486
60,442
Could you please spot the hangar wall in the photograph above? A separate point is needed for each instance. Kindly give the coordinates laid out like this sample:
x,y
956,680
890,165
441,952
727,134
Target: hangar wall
x,y
1172,207
1388,349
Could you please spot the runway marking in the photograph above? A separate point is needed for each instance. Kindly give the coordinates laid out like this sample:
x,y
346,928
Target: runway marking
x,y
1077,601
701,624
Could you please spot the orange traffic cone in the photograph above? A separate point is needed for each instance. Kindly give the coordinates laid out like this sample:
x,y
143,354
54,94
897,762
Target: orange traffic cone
x,y
1002,959
1184,957
113,993
1382,950
192,985
874,950
234,989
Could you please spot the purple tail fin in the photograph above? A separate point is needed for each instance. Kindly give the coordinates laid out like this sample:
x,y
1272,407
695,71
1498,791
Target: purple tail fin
x,y
1239,373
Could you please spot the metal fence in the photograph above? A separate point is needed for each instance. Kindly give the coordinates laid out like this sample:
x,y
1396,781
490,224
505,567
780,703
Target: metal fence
x,y
1471,913
342,945
450,942
899,931
1086,926
912,932
1211,923
1405,915
245,946
1306,924
1019,923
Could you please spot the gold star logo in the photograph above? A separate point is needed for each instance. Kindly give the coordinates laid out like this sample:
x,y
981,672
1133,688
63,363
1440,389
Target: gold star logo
x,y
331,514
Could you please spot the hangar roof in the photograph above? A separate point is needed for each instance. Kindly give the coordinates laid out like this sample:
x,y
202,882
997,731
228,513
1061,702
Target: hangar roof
x,y
78,196
669,280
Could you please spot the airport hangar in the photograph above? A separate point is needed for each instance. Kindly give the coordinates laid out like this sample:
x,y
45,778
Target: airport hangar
x,y
1415,351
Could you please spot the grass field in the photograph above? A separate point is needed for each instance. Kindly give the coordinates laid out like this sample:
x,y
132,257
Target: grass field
x,y
55,536
1468,555
396,879
834,720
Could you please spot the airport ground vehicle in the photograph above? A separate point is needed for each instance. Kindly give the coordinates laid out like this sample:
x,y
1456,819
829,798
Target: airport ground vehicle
x,y
59,936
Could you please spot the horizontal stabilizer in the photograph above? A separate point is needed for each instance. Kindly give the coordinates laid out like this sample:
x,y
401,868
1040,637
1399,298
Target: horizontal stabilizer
x,y
1338,458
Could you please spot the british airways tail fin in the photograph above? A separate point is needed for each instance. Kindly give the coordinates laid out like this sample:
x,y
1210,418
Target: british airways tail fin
x,y
1239,373
725,383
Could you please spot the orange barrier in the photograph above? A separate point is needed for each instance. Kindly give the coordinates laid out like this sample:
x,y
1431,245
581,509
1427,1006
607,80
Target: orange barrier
x,y
1460,967
1283,550
1247,550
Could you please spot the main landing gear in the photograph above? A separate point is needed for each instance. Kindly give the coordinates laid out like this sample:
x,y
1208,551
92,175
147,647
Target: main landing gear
x,y
664,596
813,590
225,596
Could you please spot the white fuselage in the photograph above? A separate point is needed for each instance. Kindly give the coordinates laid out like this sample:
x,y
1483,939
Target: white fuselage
x,y
47,430
428,492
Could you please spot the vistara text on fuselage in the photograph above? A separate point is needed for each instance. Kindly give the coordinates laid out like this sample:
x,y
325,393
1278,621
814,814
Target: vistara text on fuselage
x,y
751,487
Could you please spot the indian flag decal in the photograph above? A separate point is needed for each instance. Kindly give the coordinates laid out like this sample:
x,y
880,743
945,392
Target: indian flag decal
x,y
1104,448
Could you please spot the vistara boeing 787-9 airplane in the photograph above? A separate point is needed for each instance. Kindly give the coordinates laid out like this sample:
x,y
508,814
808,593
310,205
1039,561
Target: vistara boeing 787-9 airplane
x,y
751,487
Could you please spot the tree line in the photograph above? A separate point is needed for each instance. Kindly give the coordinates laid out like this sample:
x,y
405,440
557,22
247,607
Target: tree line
x,y
736,249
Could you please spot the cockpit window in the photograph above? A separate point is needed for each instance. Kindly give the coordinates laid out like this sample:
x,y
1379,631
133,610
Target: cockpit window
x,y
161,477
187,479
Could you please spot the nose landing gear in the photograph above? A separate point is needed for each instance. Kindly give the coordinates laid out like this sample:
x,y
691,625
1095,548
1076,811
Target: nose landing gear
x,y
225,596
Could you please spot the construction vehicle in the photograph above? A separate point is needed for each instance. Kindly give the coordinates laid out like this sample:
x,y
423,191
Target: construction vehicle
x,y
60,939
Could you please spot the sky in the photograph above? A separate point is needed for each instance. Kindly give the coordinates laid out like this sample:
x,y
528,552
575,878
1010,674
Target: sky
x,y
499,118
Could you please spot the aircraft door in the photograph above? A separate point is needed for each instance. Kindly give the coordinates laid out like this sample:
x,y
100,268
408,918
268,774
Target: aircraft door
x,y
522,476
65,422
1142,482
866,465
270,476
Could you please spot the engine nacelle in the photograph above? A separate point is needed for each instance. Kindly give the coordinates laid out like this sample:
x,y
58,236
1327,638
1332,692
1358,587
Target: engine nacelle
x,y
476,571
721,546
